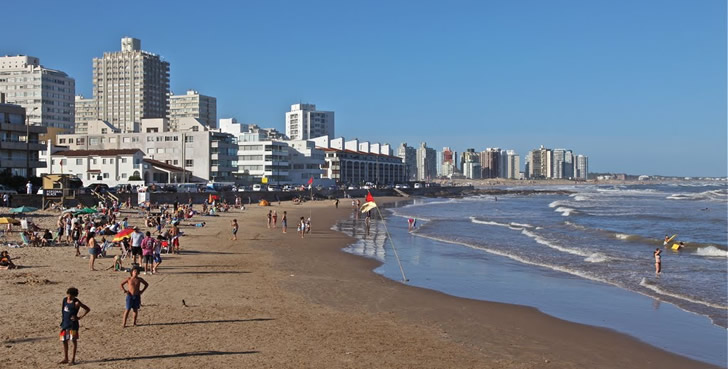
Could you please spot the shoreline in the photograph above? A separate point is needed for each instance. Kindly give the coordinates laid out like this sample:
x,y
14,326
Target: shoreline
x,y
275,300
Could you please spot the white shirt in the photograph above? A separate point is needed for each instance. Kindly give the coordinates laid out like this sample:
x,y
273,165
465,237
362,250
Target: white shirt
x,y
29,188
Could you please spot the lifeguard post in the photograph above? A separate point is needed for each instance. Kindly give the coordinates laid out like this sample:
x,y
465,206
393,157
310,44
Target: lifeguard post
x,y
57,188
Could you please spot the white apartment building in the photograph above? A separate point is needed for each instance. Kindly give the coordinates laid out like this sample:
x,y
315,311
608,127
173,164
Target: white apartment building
x,y
581,167
46,94
193,105
259,157
409,157
113,167
130,85
304,122
207,155
86,111
513,165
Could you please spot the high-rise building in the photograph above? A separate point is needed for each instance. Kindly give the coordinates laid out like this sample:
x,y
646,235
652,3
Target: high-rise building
x,y
192,105
426,163
86,111
130,85
46,94
304,122
539,163
563,164
581,167
448,162
513,163
490,162
19,145
471,164
409,157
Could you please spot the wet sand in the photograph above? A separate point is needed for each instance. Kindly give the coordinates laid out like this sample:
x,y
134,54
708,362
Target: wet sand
x,y
273,300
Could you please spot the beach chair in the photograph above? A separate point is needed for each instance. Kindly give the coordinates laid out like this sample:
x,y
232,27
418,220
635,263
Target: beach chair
x,y
24,238
124,251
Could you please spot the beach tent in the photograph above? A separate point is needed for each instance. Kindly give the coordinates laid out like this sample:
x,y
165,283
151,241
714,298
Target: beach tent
x,y
263,203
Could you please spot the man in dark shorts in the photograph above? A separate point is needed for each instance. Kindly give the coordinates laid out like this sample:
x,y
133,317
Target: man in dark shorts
x,y
136,245
69,322
131,287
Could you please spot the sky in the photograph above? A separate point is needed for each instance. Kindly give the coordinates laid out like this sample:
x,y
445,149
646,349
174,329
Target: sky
x,y
638,86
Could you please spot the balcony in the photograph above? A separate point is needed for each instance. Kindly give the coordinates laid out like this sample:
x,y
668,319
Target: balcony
x,y
22,128
20,163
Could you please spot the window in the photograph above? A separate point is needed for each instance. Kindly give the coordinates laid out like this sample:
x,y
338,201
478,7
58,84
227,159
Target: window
x,y
61,140
123,175
150,151
150,139
176,162
126,139
79,161
123,160
106,175
189,139
104,130
188,163
111,161
103,161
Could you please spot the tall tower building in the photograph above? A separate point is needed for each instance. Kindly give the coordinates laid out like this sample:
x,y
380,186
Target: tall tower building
x,y
581,167
192,105
129,85
409,157
86,111
539,164
304,122
426,163
46,94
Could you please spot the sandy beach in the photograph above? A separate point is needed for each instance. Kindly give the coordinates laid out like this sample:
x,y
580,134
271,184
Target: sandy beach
x,y
274,300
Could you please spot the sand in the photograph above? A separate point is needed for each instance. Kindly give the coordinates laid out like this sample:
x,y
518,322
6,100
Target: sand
x,y
274,300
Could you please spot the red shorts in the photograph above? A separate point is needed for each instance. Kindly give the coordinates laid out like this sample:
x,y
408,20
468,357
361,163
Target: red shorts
x,y
68,335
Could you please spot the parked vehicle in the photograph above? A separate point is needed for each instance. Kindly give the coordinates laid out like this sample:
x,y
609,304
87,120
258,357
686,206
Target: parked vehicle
x,y
186,187
257,187
418,185
8,190
273,188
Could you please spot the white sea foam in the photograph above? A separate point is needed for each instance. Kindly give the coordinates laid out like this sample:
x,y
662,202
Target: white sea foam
x,y
488,222
577,226
521,225
554,246
711,251
623,236
713,195
653,287
556,203
597,257
565,212
580,198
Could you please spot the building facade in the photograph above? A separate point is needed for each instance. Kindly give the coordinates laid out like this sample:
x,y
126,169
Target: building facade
x,y
130,85
304,122
408,154
581,167
207,155
356,167
193,105
539,163
19,144
426,166
85,111
46,94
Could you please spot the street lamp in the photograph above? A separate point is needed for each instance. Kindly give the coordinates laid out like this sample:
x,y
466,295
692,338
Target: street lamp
x,y
27,142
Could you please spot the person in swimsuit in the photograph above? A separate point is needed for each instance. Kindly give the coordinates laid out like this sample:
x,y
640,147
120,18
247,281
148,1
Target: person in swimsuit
x,y
93,250
284,222
133,294
270,217
667,240
69,322
275,219
658,262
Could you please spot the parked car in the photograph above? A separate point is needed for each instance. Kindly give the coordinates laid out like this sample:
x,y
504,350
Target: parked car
x,y
257,187
273,188
418,185
8,190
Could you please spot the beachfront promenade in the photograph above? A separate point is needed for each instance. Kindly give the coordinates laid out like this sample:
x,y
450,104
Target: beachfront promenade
x,y
274,300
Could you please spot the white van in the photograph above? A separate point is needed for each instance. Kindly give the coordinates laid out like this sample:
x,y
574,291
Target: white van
x,y
186,187
418,185
257,187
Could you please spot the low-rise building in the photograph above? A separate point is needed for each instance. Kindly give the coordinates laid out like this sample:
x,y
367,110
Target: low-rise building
x,y
19,145
357,167
114,167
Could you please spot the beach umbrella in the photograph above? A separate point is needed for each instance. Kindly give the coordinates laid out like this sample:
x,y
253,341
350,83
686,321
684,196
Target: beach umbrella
x,y
124,233
88,211
5,220
23,209
72,210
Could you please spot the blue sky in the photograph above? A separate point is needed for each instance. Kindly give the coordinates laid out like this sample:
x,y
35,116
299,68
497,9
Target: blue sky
x,y
638,86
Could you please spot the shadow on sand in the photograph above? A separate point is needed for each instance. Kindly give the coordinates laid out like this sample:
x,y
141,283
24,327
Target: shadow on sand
x,y
169,356
211,321
210,272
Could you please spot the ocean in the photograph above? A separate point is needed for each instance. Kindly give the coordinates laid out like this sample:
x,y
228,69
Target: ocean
x,y
586,256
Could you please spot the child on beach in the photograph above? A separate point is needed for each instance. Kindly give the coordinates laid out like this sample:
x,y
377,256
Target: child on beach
x,y
157,254
234,224
302,227
117,263
133,294
69,322
284,222
275,219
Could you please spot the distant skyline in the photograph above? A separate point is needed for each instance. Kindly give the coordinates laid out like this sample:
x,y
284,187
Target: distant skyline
x,y
639,87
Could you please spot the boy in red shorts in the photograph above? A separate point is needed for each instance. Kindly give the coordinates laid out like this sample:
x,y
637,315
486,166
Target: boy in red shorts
x,y
69,322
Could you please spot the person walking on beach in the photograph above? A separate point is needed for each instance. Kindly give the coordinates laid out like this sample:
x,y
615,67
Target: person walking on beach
x,y
275,219
658,262
270,217
368,223
131,287
93,250
174,236
336,203
234,224
157,257
410,224
76,237
69,322
284,221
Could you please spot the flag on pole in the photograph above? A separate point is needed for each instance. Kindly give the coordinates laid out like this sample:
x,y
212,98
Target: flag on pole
x,y
369,204
310,181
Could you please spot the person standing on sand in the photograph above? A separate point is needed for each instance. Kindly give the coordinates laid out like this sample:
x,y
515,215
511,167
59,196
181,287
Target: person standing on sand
x,y
234,224
133,294
658,262
275,219
336,203
69,322
148,253
136,245
302,226
174,235
93,250
284,221
270,217
368,223
76,237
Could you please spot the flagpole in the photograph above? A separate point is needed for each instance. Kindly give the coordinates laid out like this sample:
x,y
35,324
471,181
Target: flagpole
x,y
396,256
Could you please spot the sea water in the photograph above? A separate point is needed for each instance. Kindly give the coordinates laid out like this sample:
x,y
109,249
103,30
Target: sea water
x,y
586,256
